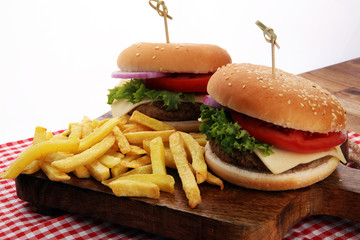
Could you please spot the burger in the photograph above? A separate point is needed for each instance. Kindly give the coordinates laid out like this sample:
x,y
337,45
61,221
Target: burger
x,y
269,131
166,81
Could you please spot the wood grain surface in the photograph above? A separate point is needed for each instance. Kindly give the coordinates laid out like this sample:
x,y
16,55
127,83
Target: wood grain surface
x,y
233,213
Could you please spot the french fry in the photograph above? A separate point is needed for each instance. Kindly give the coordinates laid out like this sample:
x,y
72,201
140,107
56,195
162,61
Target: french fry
x,y
138,137
131,188
98,171
109,161
82,172
51,157
146,146
66,134
157,155
98,134
102,122
60,137
53,173
201,141
33,167
200,138
39,135
144,160
115,154
136,150
214,180
49,135
134,127
75,131
169,160
71,163
146,169
165,182
121,141
96,123
37,151
123,120
149,122
87,127
118,170
187,177
197,155
197,135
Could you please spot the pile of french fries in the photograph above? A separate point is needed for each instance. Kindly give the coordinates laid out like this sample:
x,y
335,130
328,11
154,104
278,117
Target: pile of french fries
x,y
129,154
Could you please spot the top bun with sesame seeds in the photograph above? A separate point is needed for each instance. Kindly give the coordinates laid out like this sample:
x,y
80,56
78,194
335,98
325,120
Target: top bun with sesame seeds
x,y
283,99
172,58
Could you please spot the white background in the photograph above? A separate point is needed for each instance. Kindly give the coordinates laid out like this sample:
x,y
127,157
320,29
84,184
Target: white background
x,y
56,57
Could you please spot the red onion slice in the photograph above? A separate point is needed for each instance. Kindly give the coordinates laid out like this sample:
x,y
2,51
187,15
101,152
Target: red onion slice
x,y
143,75
208,100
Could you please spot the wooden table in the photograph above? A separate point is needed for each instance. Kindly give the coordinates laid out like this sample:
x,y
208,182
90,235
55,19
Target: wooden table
x,y
235,212
343,80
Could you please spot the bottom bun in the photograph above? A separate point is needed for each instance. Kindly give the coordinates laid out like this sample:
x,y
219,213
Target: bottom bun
x,y
289,180
185,126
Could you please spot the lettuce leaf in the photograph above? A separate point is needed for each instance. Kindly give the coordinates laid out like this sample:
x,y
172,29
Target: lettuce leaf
x,y
135,91
217,125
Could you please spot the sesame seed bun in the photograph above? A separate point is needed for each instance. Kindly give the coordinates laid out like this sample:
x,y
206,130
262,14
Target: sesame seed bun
x,y
292,179
283,99
173,58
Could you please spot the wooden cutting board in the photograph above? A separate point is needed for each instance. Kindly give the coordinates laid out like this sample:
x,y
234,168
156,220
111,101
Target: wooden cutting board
x,y
233,213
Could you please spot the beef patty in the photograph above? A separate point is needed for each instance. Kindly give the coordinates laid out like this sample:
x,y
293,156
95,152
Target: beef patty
x,y
186,111
244,159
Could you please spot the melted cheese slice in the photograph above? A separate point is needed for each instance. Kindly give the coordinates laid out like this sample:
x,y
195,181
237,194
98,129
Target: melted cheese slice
x,y
282,160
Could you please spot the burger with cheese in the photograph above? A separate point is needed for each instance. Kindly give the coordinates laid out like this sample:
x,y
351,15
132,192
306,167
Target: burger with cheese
x,y
166,81
270,132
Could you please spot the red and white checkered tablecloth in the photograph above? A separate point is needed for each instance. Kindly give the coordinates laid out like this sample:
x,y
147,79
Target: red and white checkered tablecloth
x,y
17,221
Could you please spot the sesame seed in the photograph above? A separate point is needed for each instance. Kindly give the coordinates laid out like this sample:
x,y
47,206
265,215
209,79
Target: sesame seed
x,y
280,94
153,57
229,84
289,101
301,104
137,54
315,113
177,47
227,78
157,48
244,86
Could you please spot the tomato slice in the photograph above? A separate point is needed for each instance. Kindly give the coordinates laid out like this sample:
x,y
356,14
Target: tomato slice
x,y
286,138
180,82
